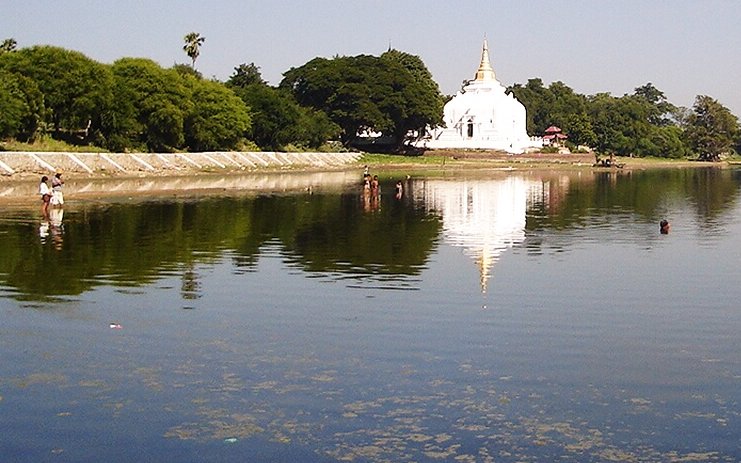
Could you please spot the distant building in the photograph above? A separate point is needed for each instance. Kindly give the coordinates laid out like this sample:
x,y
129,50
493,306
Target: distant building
x,y
554,137
482,116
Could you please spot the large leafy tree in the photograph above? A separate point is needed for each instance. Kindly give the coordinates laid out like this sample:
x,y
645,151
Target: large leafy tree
x,y
277,119
151,106
422,102
620,124
660,110
368,94
192,47
341,87
21,106
538,101
217,120
712,130
77,90
557,105
244,75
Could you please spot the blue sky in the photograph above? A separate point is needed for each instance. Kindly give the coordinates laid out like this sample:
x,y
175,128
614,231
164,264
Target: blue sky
x,y
685,48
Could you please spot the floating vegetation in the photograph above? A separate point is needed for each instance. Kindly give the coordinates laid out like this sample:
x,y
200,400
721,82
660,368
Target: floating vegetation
x,y
218,424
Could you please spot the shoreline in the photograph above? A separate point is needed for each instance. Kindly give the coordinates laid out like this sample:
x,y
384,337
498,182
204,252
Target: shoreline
x,y
20,188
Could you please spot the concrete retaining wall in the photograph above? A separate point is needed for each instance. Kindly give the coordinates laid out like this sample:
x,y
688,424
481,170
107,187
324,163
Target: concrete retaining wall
x,y
12,162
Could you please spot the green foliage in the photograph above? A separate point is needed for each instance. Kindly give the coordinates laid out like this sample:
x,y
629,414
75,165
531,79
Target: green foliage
x,y
245,75
47,143
185,70
711,129
556,105
620,124
135,104
391,95
666,141
316,130
151,106
192,47
21,106
77,90
641,124
659,109
279,121
8,45
275,116
218,119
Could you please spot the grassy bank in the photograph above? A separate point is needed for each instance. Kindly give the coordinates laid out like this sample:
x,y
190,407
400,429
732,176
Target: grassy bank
x,y
475,159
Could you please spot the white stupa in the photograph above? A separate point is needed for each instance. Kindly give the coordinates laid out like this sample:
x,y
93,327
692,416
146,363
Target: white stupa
x,y
482,116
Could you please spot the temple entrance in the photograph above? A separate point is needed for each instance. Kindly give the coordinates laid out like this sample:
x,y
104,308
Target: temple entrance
x,y
470,128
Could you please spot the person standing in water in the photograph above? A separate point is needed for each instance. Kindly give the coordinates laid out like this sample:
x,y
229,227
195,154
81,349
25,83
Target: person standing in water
x,y
45,193
57,198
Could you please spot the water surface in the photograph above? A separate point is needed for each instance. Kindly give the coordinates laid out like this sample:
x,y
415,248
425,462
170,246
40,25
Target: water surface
x,y
497,317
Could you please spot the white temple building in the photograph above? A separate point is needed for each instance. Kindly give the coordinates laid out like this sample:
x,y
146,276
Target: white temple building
x,y
482,116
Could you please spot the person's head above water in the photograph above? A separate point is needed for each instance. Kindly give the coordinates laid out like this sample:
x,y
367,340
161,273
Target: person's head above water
x,y
664,226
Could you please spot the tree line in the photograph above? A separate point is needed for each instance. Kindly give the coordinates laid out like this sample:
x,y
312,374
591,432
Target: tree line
x,y
643,123
136,104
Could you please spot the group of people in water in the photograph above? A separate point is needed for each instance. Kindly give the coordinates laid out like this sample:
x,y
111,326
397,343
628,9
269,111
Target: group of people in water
x,y
372,190
51,195
52,200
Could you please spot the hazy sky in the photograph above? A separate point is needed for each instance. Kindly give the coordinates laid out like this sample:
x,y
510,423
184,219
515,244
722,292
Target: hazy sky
x,y
685,48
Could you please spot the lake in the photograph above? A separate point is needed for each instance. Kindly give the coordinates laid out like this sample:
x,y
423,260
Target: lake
x,y
479,317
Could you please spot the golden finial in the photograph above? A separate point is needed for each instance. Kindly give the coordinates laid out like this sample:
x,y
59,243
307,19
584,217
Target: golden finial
x,y
485,71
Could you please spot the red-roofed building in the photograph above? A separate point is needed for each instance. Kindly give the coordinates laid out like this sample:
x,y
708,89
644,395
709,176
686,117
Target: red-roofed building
x,y
553,136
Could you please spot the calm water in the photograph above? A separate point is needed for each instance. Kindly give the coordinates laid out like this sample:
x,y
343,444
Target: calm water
x,y
501,317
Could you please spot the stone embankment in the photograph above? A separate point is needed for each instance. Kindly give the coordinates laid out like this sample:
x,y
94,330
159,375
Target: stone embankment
x,y
16,164
99,175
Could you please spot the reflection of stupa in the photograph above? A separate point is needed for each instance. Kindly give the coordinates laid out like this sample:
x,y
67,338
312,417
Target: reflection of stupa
x,y
484,217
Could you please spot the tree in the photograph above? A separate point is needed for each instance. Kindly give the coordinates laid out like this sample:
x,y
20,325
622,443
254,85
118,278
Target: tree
x,y
711,128
538,101
277,118
217,120
77,91
580,130
192,47
660,110
421,100
185,70
667,141
620,124
150,108
368,94
21,106
557,105
244,75
8,45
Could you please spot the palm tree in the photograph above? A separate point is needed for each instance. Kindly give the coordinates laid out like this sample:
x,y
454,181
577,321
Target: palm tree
x,y
193,42
8,45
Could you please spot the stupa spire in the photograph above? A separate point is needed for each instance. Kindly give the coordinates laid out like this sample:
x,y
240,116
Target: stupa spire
x,y
485,72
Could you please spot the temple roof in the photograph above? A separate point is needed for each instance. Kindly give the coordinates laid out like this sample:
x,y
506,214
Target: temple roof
x,y
485,72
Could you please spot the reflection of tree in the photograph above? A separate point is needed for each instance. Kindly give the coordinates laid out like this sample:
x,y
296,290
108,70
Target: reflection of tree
x,y
713,191
394,240
642,193
132,244
190,286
